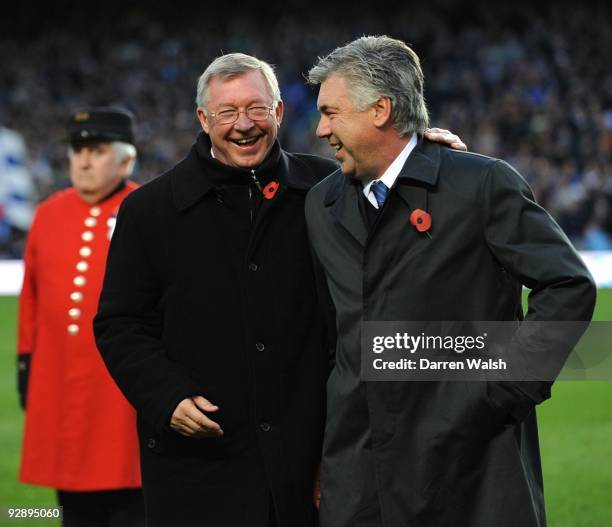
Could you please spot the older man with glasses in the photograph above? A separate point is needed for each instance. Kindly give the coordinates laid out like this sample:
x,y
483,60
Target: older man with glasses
x,y
209,318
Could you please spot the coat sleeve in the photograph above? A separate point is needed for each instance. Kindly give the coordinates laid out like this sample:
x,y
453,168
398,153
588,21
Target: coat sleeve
x,y
530,245
326,307
128,327
26,332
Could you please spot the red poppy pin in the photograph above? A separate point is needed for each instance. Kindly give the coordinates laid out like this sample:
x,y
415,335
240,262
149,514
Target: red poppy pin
x,y
269,191
421,220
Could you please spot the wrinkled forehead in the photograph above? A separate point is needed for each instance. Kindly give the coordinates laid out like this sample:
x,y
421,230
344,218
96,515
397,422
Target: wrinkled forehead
x,y
248,86
334,92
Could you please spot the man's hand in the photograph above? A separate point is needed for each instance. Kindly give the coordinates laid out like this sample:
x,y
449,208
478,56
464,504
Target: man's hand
x,y
23,376
439,135
316,491
189,419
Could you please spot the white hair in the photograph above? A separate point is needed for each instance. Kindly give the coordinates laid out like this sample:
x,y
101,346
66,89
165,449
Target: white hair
x,y
122,152
233,65
125,151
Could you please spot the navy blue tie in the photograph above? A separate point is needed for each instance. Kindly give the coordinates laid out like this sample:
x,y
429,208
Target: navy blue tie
x,y
380,192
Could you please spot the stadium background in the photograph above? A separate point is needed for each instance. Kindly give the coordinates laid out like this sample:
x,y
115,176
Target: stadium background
x,y
527,82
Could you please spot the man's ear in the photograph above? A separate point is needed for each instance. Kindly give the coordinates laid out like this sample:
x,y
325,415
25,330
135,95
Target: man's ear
x,y
279,111
203,118
381,112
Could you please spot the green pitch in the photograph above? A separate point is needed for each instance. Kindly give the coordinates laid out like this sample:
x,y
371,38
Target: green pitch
x,y
575,435
576,446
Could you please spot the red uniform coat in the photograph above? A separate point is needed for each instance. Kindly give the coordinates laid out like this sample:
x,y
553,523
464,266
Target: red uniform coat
x,y
80,432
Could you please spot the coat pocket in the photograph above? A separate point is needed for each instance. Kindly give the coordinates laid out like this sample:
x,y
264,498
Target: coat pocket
x,y
485,419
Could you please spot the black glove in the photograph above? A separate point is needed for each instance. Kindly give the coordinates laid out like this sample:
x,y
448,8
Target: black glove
x,y
23,374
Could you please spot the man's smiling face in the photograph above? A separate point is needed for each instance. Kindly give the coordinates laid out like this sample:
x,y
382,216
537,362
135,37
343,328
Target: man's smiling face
x,y
244,143
349,131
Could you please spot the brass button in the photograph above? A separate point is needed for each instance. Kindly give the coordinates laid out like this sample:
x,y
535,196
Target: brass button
x,y
74,313
110,222
87,236
90,222
82,266
73,329
85,252
76,296
79,281
95,211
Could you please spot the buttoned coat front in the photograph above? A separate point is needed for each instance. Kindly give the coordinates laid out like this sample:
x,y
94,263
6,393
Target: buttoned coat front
x,y
206,295
80,432
438,454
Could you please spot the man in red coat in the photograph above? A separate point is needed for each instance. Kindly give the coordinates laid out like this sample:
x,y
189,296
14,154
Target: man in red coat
x,y
80,432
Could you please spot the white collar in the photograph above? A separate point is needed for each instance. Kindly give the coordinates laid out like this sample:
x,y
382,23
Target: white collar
x,y
393,170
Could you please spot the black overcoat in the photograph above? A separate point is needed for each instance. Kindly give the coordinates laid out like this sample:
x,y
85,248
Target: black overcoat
x,y
209,290
438,454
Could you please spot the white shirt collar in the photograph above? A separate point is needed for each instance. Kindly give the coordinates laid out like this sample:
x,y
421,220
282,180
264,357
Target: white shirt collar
x,y
393,170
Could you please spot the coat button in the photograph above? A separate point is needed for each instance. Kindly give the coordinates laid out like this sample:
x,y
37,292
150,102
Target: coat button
x,y
260,346
76,296
265,427
219,198
90,222
82,266
95,211
87,236
151,443
253,267
85,251
79,281
73,329
74,313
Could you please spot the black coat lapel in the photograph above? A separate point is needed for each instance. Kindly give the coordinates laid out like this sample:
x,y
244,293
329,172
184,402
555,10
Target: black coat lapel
x,y
413,194
343,200
419,174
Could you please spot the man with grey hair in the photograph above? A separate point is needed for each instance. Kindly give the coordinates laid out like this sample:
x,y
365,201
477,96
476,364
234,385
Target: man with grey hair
x,y
80,432
408,230
209,319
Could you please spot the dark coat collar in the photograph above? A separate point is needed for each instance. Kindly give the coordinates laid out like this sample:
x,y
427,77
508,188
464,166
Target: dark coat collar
x,y
422,165
188,183
420,171
199,173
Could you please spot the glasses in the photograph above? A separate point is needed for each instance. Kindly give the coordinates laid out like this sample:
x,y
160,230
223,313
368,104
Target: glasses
x,y
254,113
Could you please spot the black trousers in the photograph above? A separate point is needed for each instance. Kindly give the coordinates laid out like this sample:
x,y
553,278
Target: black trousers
x,y
108,508
272,520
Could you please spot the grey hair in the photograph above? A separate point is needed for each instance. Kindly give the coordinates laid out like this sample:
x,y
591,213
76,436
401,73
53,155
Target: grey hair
x,y
125,151
233,65
122,151
380,66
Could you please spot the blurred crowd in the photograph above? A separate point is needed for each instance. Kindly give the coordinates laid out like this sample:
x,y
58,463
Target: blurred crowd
x,y
530,84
